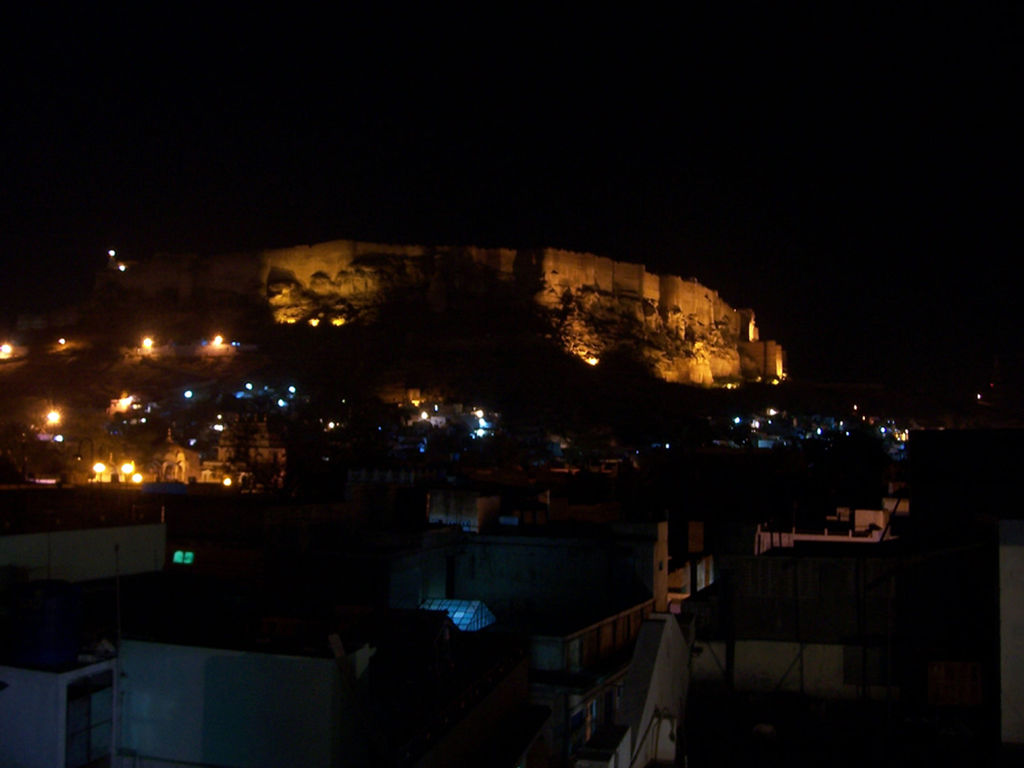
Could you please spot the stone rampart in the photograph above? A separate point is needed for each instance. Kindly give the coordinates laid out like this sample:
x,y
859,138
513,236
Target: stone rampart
x,y
685,330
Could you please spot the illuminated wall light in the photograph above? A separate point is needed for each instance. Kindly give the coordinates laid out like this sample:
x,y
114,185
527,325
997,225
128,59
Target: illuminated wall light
x,y
62,341
99,467
338,321
314,321
136,478
6,349
226,482
218,340
592,361
147,343
53,417
128,467
424,415
218,427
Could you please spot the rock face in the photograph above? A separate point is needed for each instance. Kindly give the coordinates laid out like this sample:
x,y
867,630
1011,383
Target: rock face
x,y
682,330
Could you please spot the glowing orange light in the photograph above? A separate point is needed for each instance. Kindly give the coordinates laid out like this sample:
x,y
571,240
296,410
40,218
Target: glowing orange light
x,y
53,417
147,343
226,482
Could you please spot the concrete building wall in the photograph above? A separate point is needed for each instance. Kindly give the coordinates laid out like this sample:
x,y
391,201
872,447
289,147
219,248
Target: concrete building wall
x,y
34,714
84,555
764,666
655,689
1011,630
219,707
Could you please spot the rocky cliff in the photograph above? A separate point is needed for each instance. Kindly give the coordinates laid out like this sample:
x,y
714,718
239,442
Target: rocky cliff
x,y
682,330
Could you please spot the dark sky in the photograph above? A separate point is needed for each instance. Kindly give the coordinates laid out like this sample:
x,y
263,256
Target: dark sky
x,y
853,176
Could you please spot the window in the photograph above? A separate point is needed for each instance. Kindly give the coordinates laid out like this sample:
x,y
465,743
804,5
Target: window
x,y
90,714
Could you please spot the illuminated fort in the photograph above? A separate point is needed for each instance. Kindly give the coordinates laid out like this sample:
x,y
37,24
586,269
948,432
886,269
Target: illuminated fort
x,y
682,329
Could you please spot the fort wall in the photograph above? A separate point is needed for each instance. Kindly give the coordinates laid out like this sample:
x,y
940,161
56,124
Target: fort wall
x,y
692,334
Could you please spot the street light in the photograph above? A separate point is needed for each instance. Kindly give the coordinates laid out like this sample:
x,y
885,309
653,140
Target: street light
x,y
53,417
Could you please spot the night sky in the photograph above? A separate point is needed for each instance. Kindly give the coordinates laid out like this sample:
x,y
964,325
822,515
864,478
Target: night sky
x,y
853,176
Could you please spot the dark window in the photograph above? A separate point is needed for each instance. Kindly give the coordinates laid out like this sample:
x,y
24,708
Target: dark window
x,y
90,714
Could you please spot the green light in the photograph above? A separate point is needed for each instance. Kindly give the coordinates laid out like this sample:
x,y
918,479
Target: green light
x,y
189,557
183,557
178,556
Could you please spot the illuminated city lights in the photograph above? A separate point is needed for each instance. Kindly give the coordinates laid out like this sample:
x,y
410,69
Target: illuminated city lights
x,y
5,350
147,343
314,321
226,482
99,467
53,417
136,478
218,340
128,467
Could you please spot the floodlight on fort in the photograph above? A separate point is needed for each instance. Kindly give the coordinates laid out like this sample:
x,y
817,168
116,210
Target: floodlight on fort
x,y
592,361
314,321
226,482
218,340
99,467
53,417
136,478
128,467
5,350
147,343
